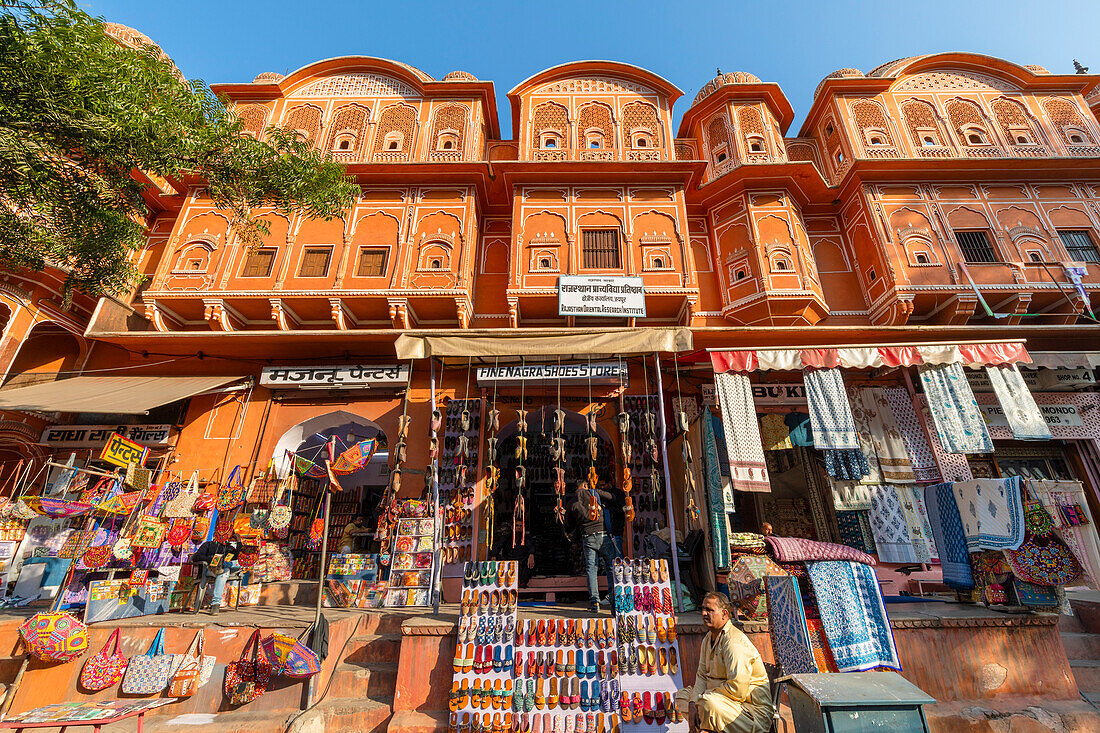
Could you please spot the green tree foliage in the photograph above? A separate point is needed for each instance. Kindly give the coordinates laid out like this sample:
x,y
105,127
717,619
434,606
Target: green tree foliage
x,y
82,116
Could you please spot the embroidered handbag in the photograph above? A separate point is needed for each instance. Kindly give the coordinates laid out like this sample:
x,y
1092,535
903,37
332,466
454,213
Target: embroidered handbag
x,y
1043,561
248,556
246,679
200,529
105,668
204,502
149,673
193,671
97,557
1037,519
223,530
148,533
258,518
231,494
180,506
279,518
121,549
316,533
179,533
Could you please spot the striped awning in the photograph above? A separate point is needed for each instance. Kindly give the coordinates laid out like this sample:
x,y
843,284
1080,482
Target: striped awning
x,y
869,357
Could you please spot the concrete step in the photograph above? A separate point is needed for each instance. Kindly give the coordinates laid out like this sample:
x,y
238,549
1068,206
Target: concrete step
x,y
1088,613
1081,645
374,648
363,716
409,721
1070,625
359,680
1087,674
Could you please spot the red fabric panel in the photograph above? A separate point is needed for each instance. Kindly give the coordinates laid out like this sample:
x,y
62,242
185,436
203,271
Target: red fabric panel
x,y
994,354
894,356
819,358
733,361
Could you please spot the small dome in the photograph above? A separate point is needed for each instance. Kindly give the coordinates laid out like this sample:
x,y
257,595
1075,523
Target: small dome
x,y
460,76
888,69
268,77
838,74
733,77
1036,69
130,38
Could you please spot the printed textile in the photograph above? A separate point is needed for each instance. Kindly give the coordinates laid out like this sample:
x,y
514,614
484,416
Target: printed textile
x,y
854,616
823,655
799,425
775,433
947,531
1019,406
911,500
1044,561
855,530
921,458
796,549
992,512
889,526
850,497
830,414
748,469
959,422
879,433
1081,538
790,635
1032,594
716,505
847,465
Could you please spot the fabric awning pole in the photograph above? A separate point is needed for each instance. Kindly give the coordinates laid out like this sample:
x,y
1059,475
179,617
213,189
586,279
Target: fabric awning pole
x,y
675,560
437,528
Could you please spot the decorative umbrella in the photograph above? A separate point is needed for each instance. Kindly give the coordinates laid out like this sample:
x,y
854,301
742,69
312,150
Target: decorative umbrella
x,y
291,657
121,504
747,586
355,457
58,508
55,636
307,468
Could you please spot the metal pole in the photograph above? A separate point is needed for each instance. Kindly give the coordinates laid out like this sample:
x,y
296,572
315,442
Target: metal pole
x,y
324,551
668,483
437,529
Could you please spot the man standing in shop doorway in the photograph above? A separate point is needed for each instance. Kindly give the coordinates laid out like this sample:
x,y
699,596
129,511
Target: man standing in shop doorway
x,y
590,518
731,692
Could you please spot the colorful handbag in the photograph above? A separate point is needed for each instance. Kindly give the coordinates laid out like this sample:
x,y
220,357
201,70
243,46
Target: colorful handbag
x,y
180,506
246,679
149,673
204,502
258,518
316,533
121,549
193,672
248,556
104,669
223,530
1043,561
200,529
54,636
231,494
148,533
179,533
1037,519
97,557
279,518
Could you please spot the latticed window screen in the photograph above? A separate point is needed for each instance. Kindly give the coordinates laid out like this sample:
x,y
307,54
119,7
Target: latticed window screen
x,y
259,263
372,262
600,249
975,246
315,262
1079,245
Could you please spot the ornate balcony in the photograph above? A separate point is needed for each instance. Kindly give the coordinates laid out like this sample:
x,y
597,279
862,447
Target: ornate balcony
x,y
1031,151
984,152
936,151
450,156
882,151
391,156
1084,151
643,155
550,155
597,155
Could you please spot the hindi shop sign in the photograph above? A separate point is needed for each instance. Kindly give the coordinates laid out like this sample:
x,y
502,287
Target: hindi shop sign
x,y
603,372
1060,415
347,376
123,452
609,297
93,436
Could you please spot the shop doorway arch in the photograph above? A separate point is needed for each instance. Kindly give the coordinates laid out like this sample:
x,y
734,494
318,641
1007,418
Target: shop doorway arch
x,y
309,437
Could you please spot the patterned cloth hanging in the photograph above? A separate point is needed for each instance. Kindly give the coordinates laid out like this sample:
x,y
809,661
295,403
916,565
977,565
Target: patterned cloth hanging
x,y
716,505
774,432
959,422
748,468
855,530
854,616
992,512
911,499
830,413
921,458
877,426
889,527
846,465
790,636
947,530
1019,406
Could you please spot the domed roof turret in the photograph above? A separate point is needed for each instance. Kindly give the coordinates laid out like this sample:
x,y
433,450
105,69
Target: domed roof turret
x,y
838,74
460,76
268,77
721,80
131,38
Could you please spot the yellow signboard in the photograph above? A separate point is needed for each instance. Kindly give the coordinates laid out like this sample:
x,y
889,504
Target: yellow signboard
x,y
122,452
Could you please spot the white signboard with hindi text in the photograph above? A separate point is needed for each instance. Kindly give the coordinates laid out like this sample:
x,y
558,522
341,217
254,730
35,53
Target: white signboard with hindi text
x,y
597,372
611,297
346,376
1063,415
96,436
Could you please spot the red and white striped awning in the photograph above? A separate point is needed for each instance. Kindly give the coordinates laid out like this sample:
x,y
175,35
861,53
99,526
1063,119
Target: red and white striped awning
x,y
868,357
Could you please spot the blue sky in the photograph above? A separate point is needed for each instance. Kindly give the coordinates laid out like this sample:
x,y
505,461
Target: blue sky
x,y
793,43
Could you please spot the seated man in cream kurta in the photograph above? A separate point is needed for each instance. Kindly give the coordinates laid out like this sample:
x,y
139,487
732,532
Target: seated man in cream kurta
x,y
731,692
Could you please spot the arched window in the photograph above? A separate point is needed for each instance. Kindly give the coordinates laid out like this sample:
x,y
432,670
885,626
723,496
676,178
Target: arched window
x,y
975,135
544,263
394,140
437,264
782,265
741,275
755,143
550,141
658,263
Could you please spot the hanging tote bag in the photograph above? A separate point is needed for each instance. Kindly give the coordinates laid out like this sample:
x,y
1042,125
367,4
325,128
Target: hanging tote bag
x,y
223,530
204,502
179,533
231,494
104,669
248,677
149,673
148,533
199,529
97,557
180,505
281,514
193,672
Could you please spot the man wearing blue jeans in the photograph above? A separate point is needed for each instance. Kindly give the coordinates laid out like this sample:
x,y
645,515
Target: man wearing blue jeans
x,y
218,559
589,515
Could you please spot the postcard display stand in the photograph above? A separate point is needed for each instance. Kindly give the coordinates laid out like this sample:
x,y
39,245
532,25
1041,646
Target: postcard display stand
x,y
413,560
489,592
584,663
642,603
